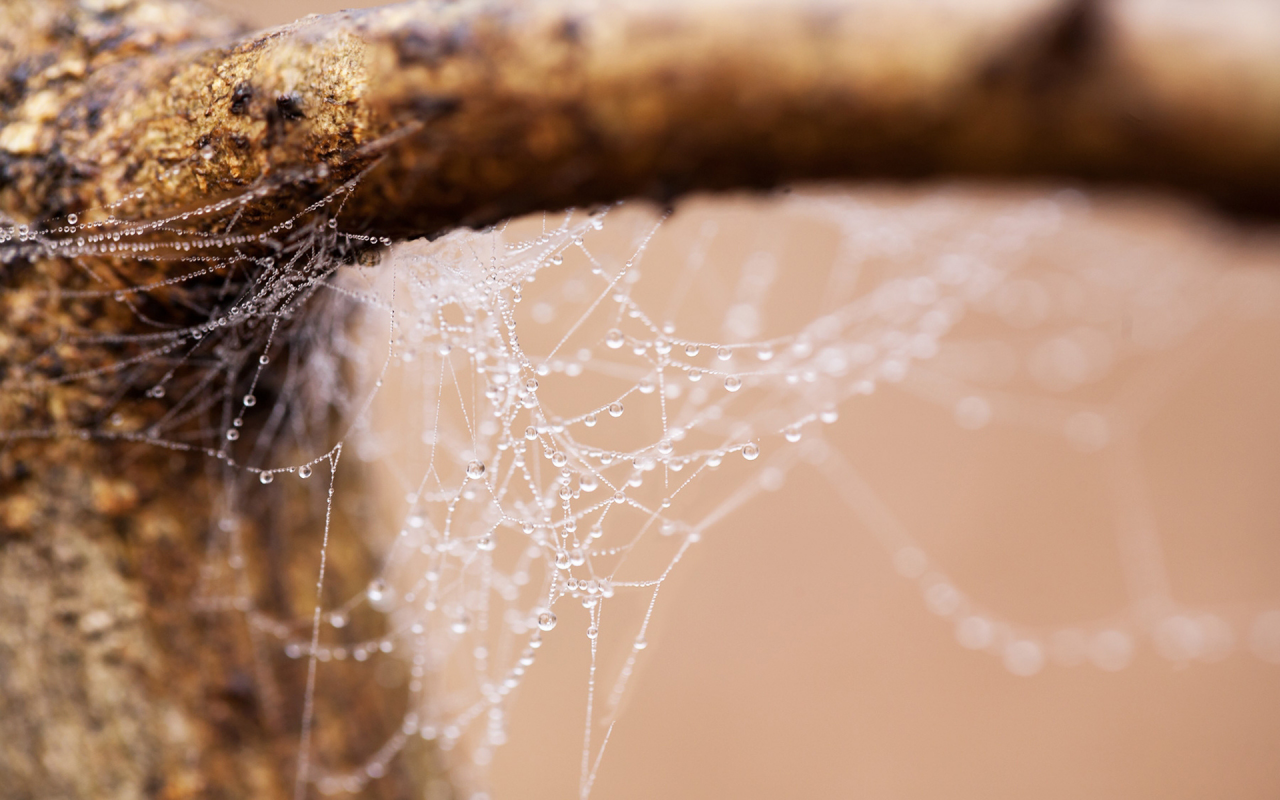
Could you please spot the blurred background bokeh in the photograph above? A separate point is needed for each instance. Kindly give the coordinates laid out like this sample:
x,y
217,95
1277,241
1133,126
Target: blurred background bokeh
x,y
790,658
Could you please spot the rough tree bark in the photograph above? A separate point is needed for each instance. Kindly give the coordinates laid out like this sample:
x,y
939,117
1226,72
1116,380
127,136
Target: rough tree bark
x,y
466,113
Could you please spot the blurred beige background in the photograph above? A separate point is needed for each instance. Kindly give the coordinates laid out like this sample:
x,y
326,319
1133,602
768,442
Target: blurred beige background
x,y
817,671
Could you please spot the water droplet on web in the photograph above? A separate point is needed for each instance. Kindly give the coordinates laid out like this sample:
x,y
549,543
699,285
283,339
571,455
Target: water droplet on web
x,y
614,338
73,219
593,632
732,383
724,354
589,420
250,401
232,434
615,409
266,477
792,434
639,644
304,471
750,452
380,595
475,470
1024,657
546,621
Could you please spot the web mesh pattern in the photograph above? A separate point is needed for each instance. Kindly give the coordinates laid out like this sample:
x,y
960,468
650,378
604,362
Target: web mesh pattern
x,y
557,410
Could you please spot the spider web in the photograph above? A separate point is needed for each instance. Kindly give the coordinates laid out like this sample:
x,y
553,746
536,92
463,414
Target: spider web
x,y
555,411
576,404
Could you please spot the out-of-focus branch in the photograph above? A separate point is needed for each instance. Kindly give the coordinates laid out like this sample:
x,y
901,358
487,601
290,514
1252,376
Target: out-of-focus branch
x,y
502,107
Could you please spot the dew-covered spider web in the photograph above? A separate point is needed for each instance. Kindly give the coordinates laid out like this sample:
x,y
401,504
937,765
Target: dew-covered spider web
x,y
549,415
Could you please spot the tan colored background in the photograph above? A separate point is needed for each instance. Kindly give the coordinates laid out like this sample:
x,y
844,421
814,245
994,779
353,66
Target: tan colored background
x,y
817,672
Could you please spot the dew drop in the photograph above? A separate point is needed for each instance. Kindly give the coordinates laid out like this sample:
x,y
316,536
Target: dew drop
x,y
732,383
615,409
304,471
379,594
614,338
546,620
266,477
475,470
750,451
